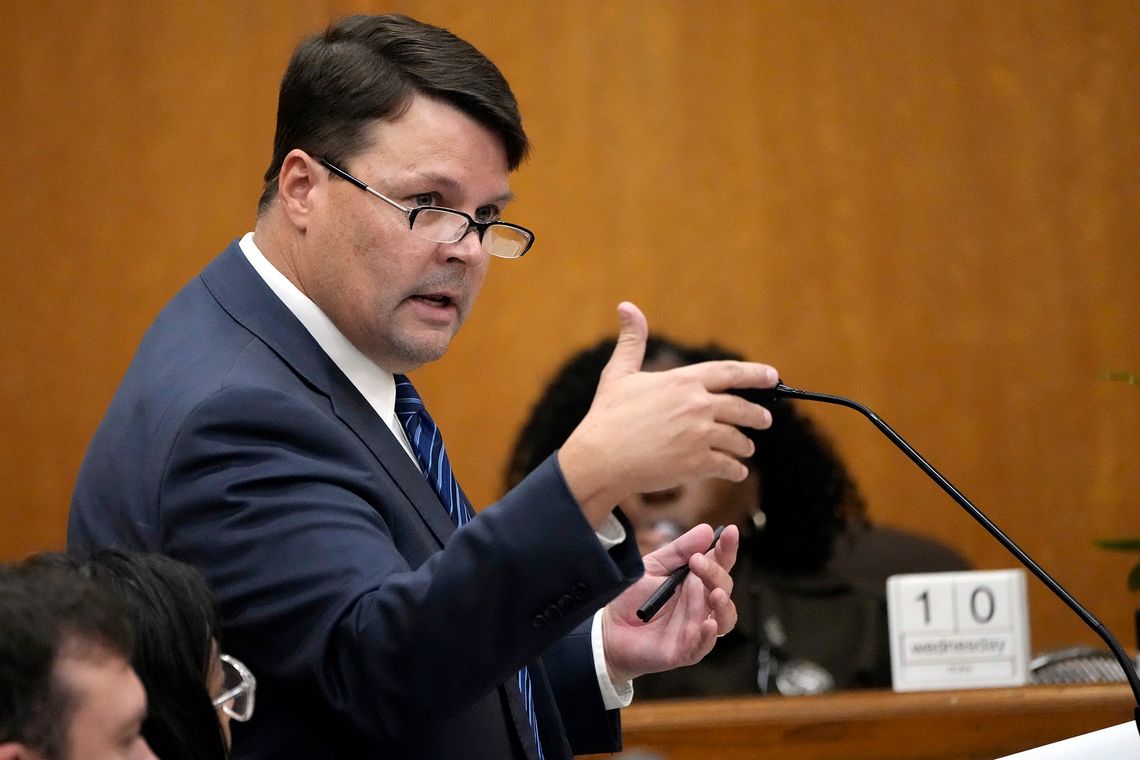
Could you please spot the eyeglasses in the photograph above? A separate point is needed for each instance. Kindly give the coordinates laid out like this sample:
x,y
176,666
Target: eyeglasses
x,y
447,225
236,700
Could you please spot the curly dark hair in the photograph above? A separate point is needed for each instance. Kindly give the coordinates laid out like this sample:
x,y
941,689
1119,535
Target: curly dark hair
x,y
807,495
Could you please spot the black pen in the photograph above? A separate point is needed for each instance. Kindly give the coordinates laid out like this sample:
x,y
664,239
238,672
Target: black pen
x,y
658,598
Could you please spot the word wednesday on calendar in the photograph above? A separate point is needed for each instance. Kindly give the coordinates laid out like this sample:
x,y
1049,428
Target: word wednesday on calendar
x,y
958,630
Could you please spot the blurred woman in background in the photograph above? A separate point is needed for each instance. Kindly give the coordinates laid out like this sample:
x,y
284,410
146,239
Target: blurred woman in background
x,y
812,602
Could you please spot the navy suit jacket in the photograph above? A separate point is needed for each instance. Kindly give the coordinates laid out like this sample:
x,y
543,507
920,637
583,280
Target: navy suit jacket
x,y
374,626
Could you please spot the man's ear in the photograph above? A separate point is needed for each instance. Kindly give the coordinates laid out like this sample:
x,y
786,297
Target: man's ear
x,y
298,177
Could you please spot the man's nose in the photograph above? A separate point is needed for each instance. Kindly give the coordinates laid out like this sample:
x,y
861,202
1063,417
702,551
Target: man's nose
x,y
468,248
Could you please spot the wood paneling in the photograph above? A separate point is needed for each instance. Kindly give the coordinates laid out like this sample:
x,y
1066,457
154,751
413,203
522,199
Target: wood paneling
x,y
929,206
873,725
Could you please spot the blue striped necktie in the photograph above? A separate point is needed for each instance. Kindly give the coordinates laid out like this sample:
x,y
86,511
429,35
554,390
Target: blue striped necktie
x,y
426,441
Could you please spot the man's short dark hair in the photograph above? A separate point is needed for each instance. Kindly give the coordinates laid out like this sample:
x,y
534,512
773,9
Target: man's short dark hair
x,y
47,613
365,68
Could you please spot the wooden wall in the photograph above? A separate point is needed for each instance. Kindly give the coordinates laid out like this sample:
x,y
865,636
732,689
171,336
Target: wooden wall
x,y
931,206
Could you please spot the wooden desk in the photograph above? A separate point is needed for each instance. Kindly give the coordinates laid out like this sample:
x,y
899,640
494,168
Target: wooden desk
x,y
874,724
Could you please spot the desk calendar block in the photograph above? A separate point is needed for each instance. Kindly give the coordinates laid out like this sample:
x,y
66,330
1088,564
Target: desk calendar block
x,y
958,630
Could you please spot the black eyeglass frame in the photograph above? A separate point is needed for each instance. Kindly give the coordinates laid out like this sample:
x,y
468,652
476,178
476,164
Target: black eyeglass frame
x,y
411,213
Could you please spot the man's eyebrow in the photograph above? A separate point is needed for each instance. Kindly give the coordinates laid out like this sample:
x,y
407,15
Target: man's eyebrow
x,y
450,184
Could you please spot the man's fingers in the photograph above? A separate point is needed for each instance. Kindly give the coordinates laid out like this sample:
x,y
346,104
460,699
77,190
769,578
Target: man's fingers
x,y
734,410
727,548
725,375
676,553
712,569
723,611
630,349
711,573
727,439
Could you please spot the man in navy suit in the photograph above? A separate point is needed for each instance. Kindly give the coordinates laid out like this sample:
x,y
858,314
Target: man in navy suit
x,y
255,437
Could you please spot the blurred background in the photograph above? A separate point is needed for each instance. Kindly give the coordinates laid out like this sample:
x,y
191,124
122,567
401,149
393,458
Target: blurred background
x,y
932,207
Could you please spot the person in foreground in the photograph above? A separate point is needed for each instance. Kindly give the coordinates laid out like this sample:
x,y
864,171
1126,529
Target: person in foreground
x,y
193,690
266,433
67,690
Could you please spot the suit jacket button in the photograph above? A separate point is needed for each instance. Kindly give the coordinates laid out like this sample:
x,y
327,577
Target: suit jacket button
x,y
580,590
552,613
538,621
566,603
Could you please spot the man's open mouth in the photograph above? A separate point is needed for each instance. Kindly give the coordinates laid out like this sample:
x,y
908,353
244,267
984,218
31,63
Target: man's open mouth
x,y
435,299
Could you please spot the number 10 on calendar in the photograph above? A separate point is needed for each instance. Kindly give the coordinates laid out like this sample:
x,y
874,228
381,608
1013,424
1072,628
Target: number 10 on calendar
x,y
958,630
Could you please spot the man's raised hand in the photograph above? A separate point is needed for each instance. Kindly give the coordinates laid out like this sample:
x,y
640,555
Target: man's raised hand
x,y
649,431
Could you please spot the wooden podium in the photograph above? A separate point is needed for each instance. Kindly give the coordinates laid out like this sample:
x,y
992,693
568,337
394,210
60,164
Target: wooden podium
x,y
873,724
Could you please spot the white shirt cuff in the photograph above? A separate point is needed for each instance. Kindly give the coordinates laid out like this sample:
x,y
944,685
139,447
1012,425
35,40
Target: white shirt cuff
x,y
611,533
614,696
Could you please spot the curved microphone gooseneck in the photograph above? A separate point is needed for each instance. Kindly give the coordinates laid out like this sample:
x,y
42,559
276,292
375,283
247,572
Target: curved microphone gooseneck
x,y
784,391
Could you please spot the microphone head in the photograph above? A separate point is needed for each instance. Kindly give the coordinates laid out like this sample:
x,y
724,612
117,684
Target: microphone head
x,y
766,397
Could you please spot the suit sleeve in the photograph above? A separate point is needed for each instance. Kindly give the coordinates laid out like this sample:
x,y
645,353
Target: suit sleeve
x,y
329,580
590,728
570,667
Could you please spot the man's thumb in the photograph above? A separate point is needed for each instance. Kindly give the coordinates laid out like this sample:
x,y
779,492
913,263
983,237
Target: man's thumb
x,y
630,349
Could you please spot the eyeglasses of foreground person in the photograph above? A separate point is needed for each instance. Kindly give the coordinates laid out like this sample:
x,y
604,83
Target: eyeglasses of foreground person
x,y
236,699
447,225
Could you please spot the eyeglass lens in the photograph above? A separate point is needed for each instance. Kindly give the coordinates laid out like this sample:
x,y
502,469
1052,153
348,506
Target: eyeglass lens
x,y
505,242
446,227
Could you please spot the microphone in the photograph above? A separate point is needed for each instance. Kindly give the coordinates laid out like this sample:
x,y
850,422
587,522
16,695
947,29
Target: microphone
x,y
783,391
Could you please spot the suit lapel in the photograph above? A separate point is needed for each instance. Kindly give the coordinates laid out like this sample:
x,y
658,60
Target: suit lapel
x,y
241,292
351,407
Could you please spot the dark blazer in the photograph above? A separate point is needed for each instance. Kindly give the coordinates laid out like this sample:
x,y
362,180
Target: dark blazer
x,y
374,626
